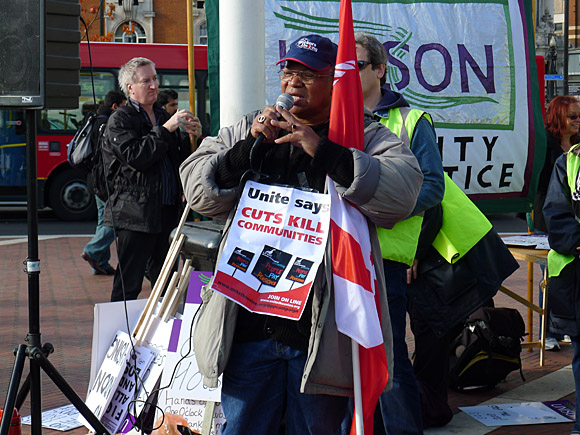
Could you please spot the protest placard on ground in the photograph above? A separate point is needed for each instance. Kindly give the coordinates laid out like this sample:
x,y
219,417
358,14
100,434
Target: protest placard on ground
x,y
511,414
64,418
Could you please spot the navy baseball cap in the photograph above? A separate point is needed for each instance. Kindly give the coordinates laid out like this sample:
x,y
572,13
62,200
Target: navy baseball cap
x,y
314,51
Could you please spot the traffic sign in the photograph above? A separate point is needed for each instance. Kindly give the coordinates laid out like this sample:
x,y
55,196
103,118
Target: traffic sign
x,y
554,77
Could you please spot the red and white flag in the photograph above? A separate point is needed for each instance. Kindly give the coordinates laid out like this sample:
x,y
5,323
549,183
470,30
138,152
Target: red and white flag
x,y
355,287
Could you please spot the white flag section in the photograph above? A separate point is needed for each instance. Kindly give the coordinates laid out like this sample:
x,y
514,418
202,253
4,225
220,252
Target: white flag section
x,y
273,250
354,278
475,84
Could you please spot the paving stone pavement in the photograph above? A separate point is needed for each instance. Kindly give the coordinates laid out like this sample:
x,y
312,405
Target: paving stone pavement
x,y
68,292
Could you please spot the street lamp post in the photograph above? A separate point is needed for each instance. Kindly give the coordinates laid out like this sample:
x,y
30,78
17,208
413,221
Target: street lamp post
x,y
552,57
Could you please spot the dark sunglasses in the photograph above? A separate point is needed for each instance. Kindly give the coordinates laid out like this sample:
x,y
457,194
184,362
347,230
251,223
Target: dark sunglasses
x,y
573,117
362,64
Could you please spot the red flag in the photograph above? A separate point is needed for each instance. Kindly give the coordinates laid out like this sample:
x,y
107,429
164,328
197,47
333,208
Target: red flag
x,y
356,298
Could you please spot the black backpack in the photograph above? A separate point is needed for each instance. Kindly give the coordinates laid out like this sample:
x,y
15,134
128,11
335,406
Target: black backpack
x,y
487,350
81,149
98,177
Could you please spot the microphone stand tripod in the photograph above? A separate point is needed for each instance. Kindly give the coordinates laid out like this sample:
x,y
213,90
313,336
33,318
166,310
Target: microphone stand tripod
x,y
34,349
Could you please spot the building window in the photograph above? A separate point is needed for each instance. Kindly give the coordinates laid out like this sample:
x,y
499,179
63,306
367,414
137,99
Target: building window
x,y
130,32
558,27
203,33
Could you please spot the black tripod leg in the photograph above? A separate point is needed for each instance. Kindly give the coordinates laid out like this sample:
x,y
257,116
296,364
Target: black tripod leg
x,y
47,349
13,389
70,394
35,396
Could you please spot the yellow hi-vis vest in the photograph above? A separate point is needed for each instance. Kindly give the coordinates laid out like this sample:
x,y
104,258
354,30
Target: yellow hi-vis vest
x,y
463,224
557,261
400,242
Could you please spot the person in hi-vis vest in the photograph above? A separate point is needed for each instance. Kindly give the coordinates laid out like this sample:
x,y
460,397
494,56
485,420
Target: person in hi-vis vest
x,y
400,407
561,212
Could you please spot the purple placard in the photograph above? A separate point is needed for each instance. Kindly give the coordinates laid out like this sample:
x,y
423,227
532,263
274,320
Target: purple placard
x,y
196,281
174,340
563,407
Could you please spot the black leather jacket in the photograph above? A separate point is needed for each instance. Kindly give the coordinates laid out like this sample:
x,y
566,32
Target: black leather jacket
x,y
133,151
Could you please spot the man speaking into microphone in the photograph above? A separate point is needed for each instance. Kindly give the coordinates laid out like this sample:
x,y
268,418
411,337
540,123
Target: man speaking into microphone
x,y
271,364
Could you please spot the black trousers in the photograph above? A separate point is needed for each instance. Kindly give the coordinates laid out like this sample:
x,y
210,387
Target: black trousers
x,y
135,250
431,366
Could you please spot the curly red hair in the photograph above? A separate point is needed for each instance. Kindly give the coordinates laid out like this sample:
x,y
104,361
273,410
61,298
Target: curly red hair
x,y
557,114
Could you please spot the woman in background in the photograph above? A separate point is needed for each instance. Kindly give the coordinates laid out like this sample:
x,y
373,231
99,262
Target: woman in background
x,y
562,124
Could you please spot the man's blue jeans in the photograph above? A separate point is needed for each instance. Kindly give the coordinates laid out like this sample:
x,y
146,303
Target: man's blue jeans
x,y
99,246
262,381
401,406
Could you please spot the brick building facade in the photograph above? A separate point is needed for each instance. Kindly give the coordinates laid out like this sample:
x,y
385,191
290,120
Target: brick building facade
x,y
151,21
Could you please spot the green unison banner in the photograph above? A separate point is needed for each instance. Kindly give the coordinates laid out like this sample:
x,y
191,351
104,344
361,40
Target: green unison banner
x,y
470,64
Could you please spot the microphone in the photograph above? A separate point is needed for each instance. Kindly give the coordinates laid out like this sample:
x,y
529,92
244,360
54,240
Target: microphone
x,y
285,101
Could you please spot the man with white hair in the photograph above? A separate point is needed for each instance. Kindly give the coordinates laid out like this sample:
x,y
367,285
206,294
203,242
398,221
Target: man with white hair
x,y
142,150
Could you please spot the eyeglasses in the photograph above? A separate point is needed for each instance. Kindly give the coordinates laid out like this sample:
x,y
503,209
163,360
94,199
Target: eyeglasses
x,y
573,117
148,82
362,64
305,77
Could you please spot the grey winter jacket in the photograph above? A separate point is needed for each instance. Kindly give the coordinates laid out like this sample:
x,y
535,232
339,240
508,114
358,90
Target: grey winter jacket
x,y
387,180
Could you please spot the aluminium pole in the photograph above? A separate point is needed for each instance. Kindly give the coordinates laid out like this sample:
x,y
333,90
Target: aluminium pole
x,y
566,44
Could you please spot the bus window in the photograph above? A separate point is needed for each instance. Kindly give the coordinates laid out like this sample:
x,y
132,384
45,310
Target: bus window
x,y
59,120
12,148
203,101
179,82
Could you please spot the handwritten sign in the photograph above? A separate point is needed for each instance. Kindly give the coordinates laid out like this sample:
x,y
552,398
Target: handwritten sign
x,y
182,390
281,224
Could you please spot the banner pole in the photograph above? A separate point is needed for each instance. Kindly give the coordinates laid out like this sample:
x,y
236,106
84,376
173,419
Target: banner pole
x,y
358,407
191,68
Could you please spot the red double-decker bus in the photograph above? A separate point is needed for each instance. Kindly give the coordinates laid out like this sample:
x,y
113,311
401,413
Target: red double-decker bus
x,y
60,187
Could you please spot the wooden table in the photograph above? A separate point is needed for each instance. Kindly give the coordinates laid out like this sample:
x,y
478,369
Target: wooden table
x,y
532,256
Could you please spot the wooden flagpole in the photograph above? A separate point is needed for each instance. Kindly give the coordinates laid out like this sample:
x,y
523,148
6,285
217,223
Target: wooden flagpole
x,y
172,255
191,68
